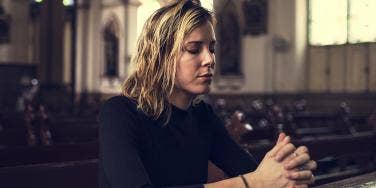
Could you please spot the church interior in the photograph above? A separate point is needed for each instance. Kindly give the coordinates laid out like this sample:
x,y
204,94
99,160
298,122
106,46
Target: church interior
x,y
303,67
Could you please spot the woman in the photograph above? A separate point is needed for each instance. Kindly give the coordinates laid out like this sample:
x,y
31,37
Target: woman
x,y
157,134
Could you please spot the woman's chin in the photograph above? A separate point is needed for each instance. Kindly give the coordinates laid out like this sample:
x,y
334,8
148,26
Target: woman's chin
x,y
203,90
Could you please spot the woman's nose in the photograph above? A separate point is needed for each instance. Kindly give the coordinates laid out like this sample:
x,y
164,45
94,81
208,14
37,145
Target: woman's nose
x,y
209,59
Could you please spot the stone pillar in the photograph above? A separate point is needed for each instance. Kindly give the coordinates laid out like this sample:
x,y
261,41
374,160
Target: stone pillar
x,y
131,29
82,38
51,42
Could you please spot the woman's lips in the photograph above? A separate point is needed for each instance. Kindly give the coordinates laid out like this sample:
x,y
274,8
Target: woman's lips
x,y
206,77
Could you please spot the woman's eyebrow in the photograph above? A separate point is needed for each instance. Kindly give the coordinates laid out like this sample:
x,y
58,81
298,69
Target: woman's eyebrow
x,y
194,42
200,42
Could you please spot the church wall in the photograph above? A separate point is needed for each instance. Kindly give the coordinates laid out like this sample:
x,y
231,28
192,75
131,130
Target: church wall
x,y
337,69
265,68
300,68
17,49
372,68
91,61
345,68
316,75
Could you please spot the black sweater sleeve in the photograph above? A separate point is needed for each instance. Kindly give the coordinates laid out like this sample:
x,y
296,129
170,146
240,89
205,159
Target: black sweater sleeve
x,y
225,152
120,162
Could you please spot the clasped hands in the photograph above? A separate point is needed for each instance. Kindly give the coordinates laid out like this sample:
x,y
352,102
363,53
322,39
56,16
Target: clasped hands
x,y
284,166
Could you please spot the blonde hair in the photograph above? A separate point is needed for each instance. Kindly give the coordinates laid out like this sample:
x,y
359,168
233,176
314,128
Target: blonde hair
x,y
152,73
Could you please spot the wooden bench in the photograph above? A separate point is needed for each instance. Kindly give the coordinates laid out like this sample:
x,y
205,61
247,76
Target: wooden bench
x,y
72,174
25,155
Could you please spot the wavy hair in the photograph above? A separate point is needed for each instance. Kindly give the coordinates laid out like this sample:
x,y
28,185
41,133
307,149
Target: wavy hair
x,y
152,71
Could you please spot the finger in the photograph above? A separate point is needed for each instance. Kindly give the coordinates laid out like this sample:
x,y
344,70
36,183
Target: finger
x,y
281,137
310,165
297,161
300,150
278,146
285,151
305,175
305,182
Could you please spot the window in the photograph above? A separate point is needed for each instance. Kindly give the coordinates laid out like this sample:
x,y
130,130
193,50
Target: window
x,y
65,2
144,12
362,27
341,21
208,4
68,2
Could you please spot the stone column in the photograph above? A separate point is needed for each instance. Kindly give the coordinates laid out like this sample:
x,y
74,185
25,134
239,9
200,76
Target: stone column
x,y
82,30
51,42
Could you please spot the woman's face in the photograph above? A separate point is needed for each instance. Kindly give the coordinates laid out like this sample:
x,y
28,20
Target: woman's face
x,y
194,69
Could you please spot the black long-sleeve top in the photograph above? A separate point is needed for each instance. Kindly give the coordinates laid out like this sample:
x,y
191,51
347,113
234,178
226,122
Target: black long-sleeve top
x,y
137,151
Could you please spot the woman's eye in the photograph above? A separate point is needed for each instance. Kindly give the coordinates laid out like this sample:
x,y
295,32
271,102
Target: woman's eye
x,y
212,50
193,51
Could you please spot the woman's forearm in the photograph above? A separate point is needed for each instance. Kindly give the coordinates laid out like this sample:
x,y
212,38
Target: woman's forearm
x,y
235,182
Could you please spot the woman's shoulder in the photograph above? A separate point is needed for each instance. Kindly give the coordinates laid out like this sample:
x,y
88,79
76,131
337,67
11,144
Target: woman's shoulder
x,y
119,101
119,116
121,104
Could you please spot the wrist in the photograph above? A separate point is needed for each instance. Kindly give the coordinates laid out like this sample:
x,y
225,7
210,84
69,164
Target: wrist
x,y
253,180
245,182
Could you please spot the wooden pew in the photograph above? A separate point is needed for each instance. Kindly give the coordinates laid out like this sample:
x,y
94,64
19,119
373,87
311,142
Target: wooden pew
x,y
25,155
72,174
363,181
351,155
73,130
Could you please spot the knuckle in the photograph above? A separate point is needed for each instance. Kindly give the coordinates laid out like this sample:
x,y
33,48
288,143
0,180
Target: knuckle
x,y
293,162
294,174
314,165
291,146
304,149
309,174
301,161
268,154
306,157
298,175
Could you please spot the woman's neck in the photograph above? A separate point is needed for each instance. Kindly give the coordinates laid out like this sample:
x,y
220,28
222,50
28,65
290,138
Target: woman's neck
x,y
181,99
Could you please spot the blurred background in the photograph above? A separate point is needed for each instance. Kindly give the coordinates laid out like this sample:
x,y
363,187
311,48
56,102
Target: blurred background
x,y
304,67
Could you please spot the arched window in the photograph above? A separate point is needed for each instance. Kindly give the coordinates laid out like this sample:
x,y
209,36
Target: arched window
x,y
111,49
229,40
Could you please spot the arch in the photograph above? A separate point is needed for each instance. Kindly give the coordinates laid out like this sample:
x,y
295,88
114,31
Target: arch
x,y
229,35
111,35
